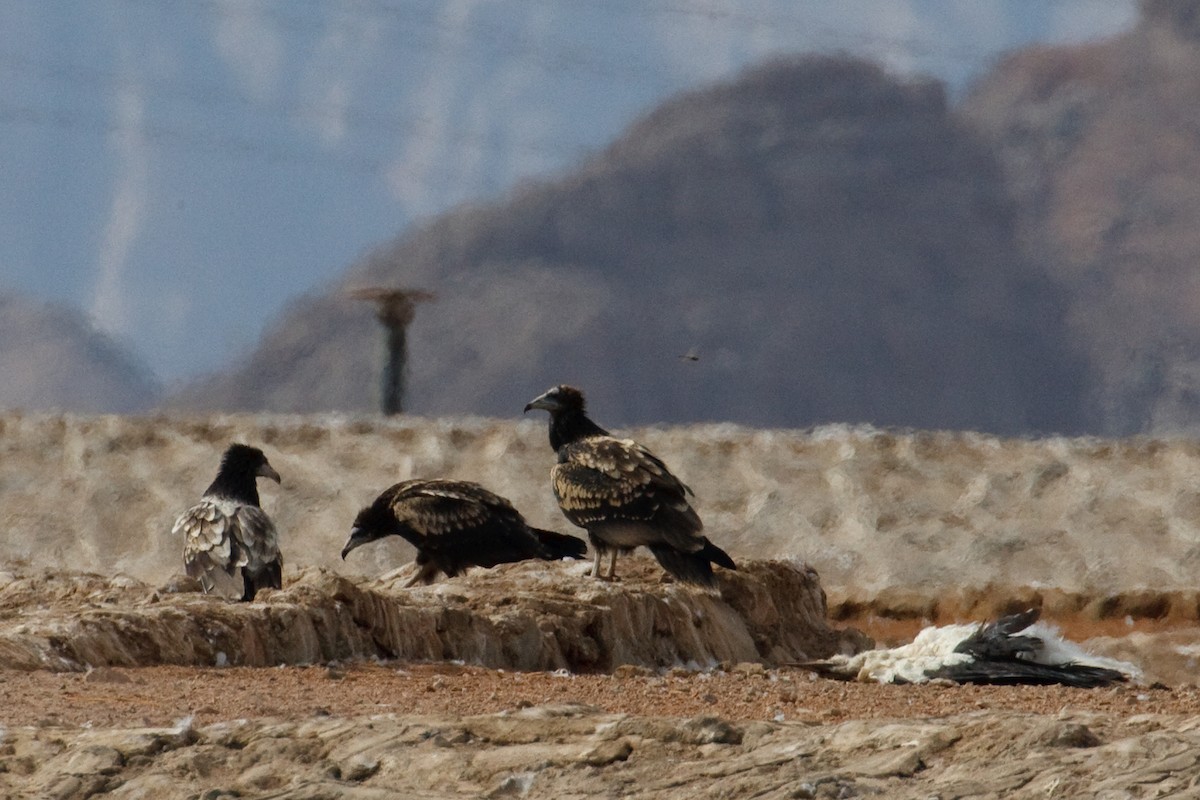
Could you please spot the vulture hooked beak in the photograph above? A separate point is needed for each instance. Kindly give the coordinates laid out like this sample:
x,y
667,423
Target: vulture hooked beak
x,y
358,537
267,471
544,401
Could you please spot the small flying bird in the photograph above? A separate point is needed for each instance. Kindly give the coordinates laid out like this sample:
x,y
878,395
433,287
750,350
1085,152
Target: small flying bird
x,y
690,355
455,525
228,529
623,495
986,654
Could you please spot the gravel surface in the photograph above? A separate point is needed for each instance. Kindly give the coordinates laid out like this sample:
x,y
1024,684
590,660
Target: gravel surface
x,y
164,695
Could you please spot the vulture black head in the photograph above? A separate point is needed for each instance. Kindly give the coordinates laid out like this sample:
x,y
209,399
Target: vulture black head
x,y
569,421
372,523
240,466
560,399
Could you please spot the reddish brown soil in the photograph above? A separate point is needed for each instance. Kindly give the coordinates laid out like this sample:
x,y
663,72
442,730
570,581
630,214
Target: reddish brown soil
x,y
163,695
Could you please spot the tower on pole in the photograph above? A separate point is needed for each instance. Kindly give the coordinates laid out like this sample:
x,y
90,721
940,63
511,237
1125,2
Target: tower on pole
x,y
394,308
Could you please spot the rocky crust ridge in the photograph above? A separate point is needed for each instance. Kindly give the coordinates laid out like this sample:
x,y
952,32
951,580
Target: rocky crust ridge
x,y
527,616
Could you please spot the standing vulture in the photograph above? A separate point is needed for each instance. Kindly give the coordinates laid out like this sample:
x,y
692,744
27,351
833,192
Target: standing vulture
x,y
623,495
455,525
228,529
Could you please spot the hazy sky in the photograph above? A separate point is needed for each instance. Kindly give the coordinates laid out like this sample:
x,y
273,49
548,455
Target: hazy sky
x,y
182,170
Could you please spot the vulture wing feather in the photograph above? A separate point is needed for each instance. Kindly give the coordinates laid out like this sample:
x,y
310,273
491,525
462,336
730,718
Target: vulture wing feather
x,y
209,539
605,480
461,524
257,539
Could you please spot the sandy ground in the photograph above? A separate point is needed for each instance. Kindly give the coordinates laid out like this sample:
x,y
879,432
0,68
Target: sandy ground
x,y
903,529
158,696
872,511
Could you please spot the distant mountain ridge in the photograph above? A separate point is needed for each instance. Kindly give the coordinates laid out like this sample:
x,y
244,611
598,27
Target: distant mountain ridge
x,y
54,357
830,240
1100,146
826,241
183,173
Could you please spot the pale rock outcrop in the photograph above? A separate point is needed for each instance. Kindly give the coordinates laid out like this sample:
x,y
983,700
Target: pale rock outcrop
x,y
527,616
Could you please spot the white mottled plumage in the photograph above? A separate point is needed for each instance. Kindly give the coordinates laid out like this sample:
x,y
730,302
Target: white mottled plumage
x,y
932,648
932,654
223,534
228,531
1057,650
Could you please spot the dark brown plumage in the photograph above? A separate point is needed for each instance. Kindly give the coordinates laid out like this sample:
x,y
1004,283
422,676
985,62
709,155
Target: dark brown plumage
x,y
455,525
623,495
228,530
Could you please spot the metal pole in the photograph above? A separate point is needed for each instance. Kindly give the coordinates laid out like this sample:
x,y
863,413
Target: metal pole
x,y
394,308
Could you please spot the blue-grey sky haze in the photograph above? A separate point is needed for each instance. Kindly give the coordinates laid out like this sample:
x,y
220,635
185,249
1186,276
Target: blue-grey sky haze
x,y
181,170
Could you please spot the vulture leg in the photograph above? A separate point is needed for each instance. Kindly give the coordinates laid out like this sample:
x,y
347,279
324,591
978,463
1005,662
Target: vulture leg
x,y
423,576
596,566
